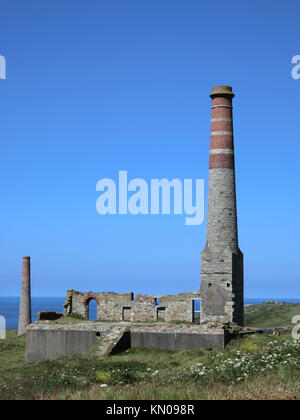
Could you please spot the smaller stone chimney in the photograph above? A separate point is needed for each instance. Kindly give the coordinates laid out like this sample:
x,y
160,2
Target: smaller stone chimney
x,y
25,301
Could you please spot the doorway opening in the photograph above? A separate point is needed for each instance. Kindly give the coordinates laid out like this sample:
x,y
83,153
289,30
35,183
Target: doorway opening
x,y
91,310
196,310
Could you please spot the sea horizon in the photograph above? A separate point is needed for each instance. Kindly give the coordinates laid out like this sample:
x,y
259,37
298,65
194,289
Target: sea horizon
x,y
9,306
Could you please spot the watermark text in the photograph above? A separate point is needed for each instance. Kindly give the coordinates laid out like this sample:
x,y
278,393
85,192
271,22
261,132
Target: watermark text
x,y
155,198
296,328
2,67
296,68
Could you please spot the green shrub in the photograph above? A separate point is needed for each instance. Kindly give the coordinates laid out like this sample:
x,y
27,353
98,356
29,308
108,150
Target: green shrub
x,y
249,347
103,377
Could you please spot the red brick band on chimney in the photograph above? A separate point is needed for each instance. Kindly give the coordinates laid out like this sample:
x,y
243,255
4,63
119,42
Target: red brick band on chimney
x,y
221,129
221,160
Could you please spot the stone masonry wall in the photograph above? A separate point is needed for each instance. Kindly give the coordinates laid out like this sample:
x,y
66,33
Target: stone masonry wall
x,y
110,304
222,261
179,307
122,307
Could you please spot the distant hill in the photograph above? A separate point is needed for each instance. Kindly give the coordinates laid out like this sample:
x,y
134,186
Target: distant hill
x,y
267,315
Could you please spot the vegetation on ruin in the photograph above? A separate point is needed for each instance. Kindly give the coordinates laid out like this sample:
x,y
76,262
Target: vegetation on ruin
x,y
67,320
256,367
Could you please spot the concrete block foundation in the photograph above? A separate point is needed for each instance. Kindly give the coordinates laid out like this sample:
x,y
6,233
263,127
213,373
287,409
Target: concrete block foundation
x,y
47,341
177,341
44,344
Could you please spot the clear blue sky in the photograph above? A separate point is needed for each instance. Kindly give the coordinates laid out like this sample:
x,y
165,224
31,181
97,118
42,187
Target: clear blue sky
x,y
94,87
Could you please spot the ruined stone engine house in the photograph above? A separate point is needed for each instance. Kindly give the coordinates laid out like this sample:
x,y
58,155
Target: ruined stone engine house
x,y
221,296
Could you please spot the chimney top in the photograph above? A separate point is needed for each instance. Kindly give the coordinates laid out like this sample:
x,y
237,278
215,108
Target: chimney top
x,y
26,258
225,91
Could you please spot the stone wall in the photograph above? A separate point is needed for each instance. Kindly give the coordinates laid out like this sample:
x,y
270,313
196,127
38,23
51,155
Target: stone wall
x,y
110,304
222,261
222,286
123,307
179,307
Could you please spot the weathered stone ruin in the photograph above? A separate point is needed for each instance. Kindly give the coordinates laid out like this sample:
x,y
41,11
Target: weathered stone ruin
x,y
123,307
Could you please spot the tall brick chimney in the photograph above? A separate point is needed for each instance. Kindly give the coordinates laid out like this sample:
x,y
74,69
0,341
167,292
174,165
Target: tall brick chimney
x,y
25,301
222,261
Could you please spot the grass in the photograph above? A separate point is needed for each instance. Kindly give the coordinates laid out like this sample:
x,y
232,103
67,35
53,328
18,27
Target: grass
x,y
273,373
70,319
258,367
260,389
12,351
269,315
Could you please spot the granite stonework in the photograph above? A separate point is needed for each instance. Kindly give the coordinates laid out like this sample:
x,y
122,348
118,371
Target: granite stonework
x,y
222,261
123,307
